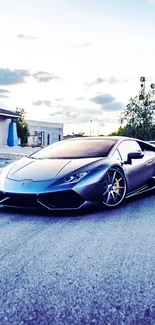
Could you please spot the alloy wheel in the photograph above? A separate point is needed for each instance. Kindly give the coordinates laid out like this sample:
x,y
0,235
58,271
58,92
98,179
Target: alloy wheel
x,y
114,187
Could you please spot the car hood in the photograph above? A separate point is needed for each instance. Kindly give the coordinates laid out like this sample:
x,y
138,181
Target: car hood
x,y
46,169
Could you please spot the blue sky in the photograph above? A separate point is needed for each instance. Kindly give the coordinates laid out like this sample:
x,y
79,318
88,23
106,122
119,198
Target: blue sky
x,y
73,61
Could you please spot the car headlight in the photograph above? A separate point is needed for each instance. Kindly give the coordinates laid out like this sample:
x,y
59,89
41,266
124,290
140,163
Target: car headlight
x,y
73,177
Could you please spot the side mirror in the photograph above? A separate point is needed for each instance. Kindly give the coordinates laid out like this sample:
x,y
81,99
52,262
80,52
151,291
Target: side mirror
x,y
134,155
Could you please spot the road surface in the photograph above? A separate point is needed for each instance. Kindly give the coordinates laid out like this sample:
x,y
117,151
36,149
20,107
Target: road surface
x,y
92,268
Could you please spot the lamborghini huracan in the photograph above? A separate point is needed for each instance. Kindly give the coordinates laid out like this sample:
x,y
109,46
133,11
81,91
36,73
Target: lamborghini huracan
x,y
74,173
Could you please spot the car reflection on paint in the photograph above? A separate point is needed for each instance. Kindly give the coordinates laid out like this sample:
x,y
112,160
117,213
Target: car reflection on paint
x,y
152,142
4,162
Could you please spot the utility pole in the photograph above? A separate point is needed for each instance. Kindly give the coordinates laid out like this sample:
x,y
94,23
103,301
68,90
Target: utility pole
x,y
91,127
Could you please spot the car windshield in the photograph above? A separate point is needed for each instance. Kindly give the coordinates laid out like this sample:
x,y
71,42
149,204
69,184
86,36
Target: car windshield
x,y
76,149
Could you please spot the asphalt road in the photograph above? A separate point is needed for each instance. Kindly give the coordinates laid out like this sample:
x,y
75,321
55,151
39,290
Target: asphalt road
x,y
95,268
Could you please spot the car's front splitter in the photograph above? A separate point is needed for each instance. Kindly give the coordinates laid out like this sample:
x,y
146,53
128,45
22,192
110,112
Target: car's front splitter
x,y
60,200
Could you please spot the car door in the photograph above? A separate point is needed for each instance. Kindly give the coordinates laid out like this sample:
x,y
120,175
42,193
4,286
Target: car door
x,y
140,170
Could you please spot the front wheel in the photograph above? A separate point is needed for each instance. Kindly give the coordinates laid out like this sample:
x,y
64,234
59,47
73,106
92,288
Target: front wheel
x,y
114,187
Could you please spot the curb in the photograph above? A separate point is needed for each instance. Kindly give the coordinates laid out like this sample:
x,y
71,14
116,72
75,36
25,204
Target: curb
x,y
12,155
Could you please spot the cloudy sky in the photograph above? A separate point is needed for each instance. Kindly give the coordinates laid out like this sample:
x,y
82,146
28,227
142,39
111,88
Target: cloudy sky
x,y
73,61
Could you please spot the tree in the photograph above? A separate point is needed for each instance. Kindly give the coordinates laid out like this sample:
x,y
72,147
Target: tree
x,y
137,120
22,126
74,135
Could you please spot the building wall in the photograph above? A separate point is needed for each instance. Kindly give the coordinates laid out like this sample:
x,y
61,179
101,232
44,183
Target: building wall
x,y
47,131
44,133
4,128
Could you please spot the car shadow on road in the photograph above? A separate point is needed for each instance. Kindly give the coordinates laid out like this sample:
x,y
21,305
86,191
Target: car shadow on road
x,y
48,213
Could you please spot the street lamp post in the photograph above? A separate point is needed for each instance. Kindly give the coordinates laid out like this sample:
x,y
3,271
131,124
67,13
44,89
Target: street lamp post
x,y
91,127
143,88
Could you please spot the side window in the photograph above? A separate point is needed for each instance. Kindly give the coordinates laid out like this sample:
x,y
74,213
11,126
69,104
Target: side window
x,y
116,155
147,148
128,146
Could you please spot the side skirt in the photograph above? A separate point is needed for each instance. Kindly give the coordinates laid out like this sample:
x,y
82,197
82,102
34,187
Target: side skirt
x,y
145,188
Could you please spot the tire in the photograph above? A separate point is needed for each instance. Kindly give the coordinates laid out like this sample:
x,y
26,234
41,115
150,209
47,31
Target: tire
x,y
114,187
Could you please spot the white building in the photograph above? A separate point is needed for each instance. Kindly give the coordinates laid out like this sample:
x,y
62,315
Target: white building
x,y
43,133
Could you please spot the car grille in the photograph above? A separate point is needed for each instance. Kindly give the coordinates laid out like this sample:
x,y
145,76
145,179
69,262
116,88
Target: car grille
x,y
19,200
56,200
2,196
60,200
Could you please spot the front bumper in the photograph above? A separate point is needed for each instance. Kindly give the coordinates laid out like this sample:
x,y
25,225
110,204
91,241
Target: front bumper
x,y
60,200
50,194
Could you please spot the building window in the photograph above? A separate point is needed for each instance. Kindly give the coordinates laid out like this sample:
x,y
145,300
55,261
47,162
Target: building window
x,y
48,139
40,136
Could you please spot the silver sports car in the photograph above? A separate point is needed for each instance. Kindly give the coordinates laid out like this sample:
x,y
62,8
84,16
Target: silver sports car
x,y
74,173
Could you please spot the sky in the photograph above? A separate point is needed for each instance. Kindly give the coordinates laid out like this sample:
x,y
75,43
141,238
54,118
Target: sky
x,y
75,62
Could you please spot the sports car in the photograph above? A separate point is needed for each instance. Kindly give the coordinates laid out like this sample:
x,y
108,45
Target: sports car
x,y
74,173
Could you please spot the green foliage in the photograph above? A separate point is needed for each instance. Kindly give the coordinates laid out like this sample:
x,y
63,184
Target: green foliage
x,y
122,131
74,135
113,133
137,120
22,126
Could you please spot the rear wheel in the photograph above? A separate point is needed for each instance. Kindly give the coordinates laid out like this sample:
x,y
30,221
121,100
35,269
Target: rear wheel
x,y
114,187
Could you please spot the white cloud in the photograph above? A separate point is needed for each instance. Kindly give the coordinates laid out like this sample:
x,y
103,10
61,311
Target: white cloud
x,y
103,54
43,76
27,37
11,77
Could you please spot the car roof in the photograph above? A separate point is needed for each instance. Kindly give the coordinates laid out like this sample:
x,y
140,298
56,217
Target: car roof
x,y
117,138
